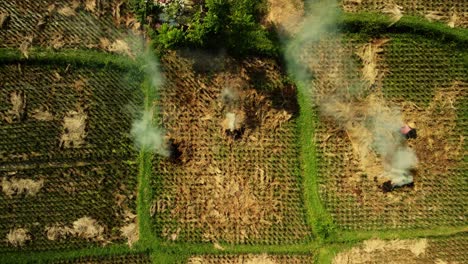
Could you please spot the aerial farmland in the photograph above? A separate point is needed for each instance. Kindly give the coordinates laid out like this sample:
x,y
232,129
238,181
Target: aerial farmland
x,y
234,131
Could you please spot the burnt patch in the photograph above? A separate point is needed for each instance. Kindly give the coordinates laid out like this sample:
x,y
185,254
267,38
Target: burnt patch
x,y
235,134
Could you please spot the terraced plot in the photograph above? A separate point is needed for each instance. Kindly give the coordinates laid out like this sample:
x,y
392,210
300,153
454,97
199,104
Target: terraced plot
x,y
236,184
430,91
68,165
66,24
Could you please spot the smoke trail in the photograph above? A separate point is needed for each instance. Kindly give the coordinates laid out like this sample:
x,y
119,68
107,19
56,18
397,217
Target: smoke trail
x,y
321,64
147,136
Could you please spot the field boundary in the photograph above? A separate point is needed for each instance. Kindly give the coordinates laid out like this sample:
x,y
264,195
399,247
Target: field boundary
x,y
375,24
77,57
318,218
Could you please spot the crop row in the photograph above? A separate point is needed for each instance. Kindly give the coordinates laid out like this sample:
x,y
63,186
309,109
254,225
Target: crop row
x,y
102,191
219,187
105,96
427,82
118,259
60,24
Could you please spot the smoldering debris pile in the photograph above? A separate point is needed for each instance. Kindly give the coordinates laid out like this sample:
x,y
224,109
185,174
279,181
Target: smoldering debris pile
x,y
234,122
353,102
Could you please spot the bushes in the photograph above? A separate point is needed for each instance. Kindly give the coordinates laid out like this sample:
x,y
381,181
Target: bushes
x,y
230,24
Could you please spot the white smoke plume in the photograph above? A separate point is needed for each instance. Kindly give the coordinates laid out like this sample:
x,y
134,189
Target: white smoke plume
x,y
371,124
146,134
149,137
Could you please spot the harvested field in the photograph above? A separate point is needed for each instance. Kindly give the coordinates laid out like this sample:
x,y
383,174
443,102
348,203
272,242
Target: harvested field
x,y
415,251
68,169
452,12
63,24
78,205
238,185
430,91
67,112
251,259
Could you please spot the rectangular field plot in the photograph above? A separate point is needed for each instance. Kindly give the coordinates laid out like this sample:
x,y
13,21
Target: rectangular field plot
x,y
233,174
67,164
62,24
66,207
427,82
251,259
57,113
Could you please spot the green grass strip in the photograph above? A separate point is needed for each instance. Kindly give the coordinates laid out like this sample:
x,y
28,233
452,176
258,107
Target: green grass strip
x,y
376,24
318,218
90,58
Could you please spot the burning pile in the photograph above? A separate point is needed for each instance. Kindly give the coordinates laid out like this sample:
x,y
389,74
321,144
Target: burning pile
x,y
358,107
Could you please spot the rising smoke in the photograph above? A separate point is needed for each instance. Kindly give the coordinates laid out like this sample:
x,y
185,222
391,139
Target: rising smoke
x,y
354,104
146,134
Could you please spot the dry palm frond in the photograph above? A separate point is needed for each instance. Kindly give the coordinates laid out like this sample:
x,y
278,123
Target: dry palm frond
x,y
87,227
104,43
217,246
395,12
18,237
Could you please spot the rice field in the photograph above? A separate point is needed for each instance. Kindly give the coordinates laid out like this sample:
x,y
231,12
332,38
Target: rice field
x,y
257,158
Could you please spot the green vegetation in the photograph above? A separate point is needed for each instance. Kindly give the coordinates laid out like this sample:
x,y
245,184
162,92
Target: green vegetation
x,y
216,24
